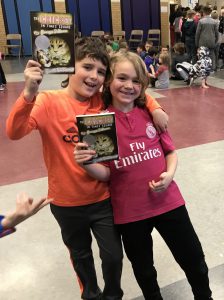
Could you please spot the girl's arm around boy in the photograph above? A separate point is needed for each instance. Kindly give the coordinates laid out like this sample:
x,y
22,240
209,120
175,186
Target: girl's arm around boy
x,y
160,118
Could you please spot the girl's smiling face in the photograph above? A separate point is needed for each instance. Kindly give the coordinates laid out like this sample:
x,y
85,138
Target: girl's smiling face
x,y
125,86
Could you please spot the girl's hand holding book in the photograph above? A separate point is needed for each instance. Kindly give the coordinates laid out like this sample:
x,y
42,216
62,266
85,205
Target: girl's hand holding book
x,y
82,153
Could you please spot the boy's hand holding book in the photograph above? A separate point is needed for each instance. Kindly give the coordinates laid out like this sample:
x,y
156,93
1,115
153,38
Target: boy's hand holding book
x,y
33,77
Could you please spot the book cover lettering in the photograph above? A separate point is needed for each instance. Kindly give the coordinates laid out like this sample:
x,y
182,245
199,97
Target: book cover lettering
x,y
99,132
53,41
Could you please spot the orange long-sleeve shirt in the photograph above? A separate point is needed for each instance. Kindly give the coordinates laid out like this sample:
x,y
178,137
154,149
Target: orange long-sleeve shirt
x,y
53,114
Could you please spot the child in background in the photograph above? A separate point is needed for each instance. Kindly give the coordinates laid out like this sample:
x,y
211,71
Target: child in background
x,y
143,192
25,208
148,46
141,50
161,78
164,50
123,44
109,50
151,60
189,31
202,67
81,204
179,56
198,15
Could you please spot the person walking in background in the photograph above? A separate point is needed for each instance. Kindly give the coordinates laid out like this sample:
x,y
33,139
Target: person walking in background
x,y
207,34
143,192
201,68
178,24
189,31
215,16
172,16
184,19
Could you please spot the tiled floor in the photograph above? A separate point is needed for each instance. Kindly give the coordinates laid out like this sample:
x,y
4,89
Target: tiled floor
x,y
34,262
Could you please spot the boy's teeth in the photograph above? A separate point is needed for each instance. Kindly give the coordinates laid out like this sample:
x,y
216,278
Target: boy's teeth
x,y
90,84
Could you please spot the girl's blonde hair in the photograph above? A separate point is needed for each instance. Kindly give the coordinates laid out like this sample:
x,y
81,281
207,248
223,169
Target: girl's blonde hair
x,y
141,72
165,59
214,15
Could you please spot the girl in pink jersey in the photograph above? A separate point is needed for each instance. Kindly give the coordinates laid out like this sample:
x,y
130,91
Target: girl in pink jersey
x,y
144,194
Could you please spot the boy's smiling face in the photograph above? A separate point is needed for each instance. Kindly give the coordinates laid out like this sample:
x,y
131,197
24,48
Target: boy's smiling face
x,y
89,76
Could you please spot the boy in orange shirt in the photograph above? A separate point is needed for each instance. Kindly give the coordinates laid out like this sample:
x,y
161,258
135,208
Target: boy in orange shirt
x,y
81,204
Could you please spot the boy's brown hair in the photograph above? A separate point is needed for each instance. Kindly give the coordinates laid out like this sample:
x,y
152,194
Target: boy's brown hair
x,y
91,47
206,10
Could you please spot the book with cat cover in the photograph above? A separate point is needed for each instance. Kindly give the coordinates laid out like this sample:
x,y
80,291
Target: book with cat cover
x,y
99,132
53,41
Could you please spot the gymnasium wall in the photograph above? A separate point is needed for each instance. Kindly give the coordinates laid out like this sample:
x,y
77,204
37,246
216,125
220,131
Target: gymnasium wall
x,y
60,6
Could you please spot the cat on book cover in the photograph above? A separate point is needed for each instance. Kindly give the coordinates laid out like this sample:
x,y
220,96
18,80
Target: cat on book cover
x,y
56,55
103,145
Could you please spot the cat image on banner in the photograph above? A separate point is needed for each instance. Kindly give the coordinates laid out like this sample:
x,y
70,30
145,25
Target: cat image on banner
x,y
53,41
